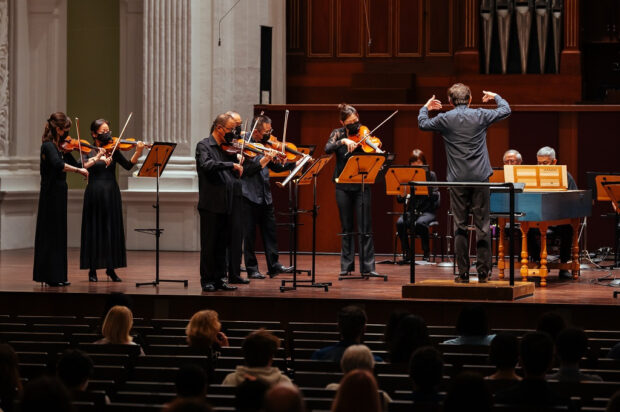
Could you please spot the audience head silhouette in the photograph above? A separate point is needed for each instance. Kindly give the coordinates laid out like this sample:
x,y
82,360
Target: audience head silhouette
x,y
203,328
472,321
504,351
191,382
352,323
250,395
571,344
536,354
45,394
259,348
468,392
426,369
74,369
551,323
10,381
409,334
283,398
358,392
357,357
117,325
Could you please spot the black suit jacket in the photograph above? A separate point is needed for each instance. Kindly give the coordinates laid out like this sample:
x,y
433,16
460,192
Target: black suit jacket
x,y
218,183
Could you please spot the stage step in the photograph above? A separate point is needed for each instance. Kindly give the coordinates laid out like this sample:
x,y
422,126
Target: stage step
x,y
447,289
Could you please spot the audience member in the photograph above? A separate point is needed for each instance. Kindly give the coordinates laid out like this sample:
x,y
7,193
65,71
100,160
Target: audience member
x,y
571,345
536,356
10,381
551,323
426,372
504,355
259,349
359,357
191,382
468,392
614,403
45,394
204,331
283,398
188,405
74,370
352,325
472,327
358,392
250,395
409,334
117,299
116,327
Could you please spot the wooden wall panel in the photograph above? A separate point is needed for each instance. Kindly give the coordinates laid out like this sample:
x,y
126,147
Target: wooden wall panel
x,y
349,28
294,27
380,22
320,31
439,27
408,28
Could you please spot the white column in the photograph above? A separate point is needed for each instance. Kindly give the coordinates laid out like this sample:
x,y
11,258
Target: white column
x,y
33,66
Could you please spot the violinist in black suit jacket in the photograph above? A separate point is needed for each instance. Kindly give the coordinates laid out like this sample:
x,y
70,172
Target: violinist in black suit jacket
x,y
219,205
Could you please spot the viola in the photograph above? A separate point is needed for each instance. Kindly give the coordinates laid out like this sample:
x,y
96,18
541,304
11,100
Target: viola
x,y
124,144
69,144
369,144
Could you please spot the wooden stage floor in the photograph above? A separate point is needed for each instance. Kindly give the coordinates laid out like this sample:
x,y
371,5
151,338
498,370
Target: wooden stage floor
x,y
16,276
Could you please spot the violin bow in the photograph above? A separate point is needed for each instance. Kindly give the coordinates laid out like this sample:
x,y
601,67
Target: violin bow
x,y
383,122
286,112
77,128
120,136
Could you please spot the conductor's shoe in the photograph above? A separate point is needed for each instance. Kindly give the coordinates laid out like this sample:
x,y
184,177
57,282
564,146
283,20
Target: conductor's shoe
x,y
565,274
483,277
92,276
209,287
463,278
256,275
226,286
279,268
113,276
373,273
238,280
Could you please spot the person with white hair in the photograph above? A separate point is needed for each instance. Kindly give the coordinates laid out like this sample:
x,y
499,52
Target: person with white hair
x,y
546,156
512,157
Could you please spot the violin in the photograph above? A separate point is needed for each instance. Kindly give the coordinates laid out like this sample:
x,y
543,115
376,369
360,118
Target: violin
x,y
124,144
240,146
290,150
369,144
69,145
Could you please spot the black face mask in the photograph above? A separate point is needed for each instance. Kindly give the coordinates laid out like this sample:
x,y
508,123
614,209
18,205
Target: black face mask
x,y
104,137
353,128
265,137
238,130
229,137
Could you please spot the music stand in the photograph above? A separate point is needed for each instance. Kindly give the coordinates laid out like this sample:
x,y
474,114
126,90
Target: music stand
x,y
309,176
362,169
612,188
395,176
153,166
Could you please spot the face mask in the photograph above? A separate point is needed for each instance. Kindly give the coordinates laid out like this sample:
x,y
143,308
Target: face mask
x,y
353,128
229,137
238,130
104,137
265,137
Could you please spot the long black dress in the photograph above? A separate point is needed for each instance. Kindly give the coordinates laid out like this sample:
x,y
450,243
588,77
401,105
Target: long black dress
x,y
103,235
50,242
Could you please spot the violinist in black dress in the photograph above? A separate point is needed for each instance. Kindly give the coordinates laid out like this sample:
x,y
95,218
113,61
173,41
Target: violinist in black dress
x,y
349,196
50,244
103,234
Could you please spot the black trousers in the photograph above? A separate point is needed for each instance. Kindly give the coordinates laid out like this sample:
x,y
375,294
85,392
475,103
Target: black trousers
x,y
419,227
264,217
220,244
350,206
474,200
562,232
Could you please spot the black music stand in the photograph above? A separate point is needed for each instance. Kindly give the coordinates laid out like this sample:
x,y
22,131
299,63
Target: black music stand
x,y
613,191
395,176
309,176
362,169
154,166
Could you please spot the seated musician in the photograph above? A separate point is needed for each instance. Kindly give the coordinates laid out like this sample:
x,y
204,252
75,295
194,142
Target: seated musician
x,y
512,157
546,156
420,212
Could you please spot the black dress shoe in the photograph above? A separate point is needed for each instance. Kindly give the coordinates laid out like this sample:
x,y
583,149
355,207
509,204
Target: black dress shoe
x,y
92,276
463,278
113,276
256,275
209,287
344,273
284,269
238,280
55,284
565,274
483,277
226,286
